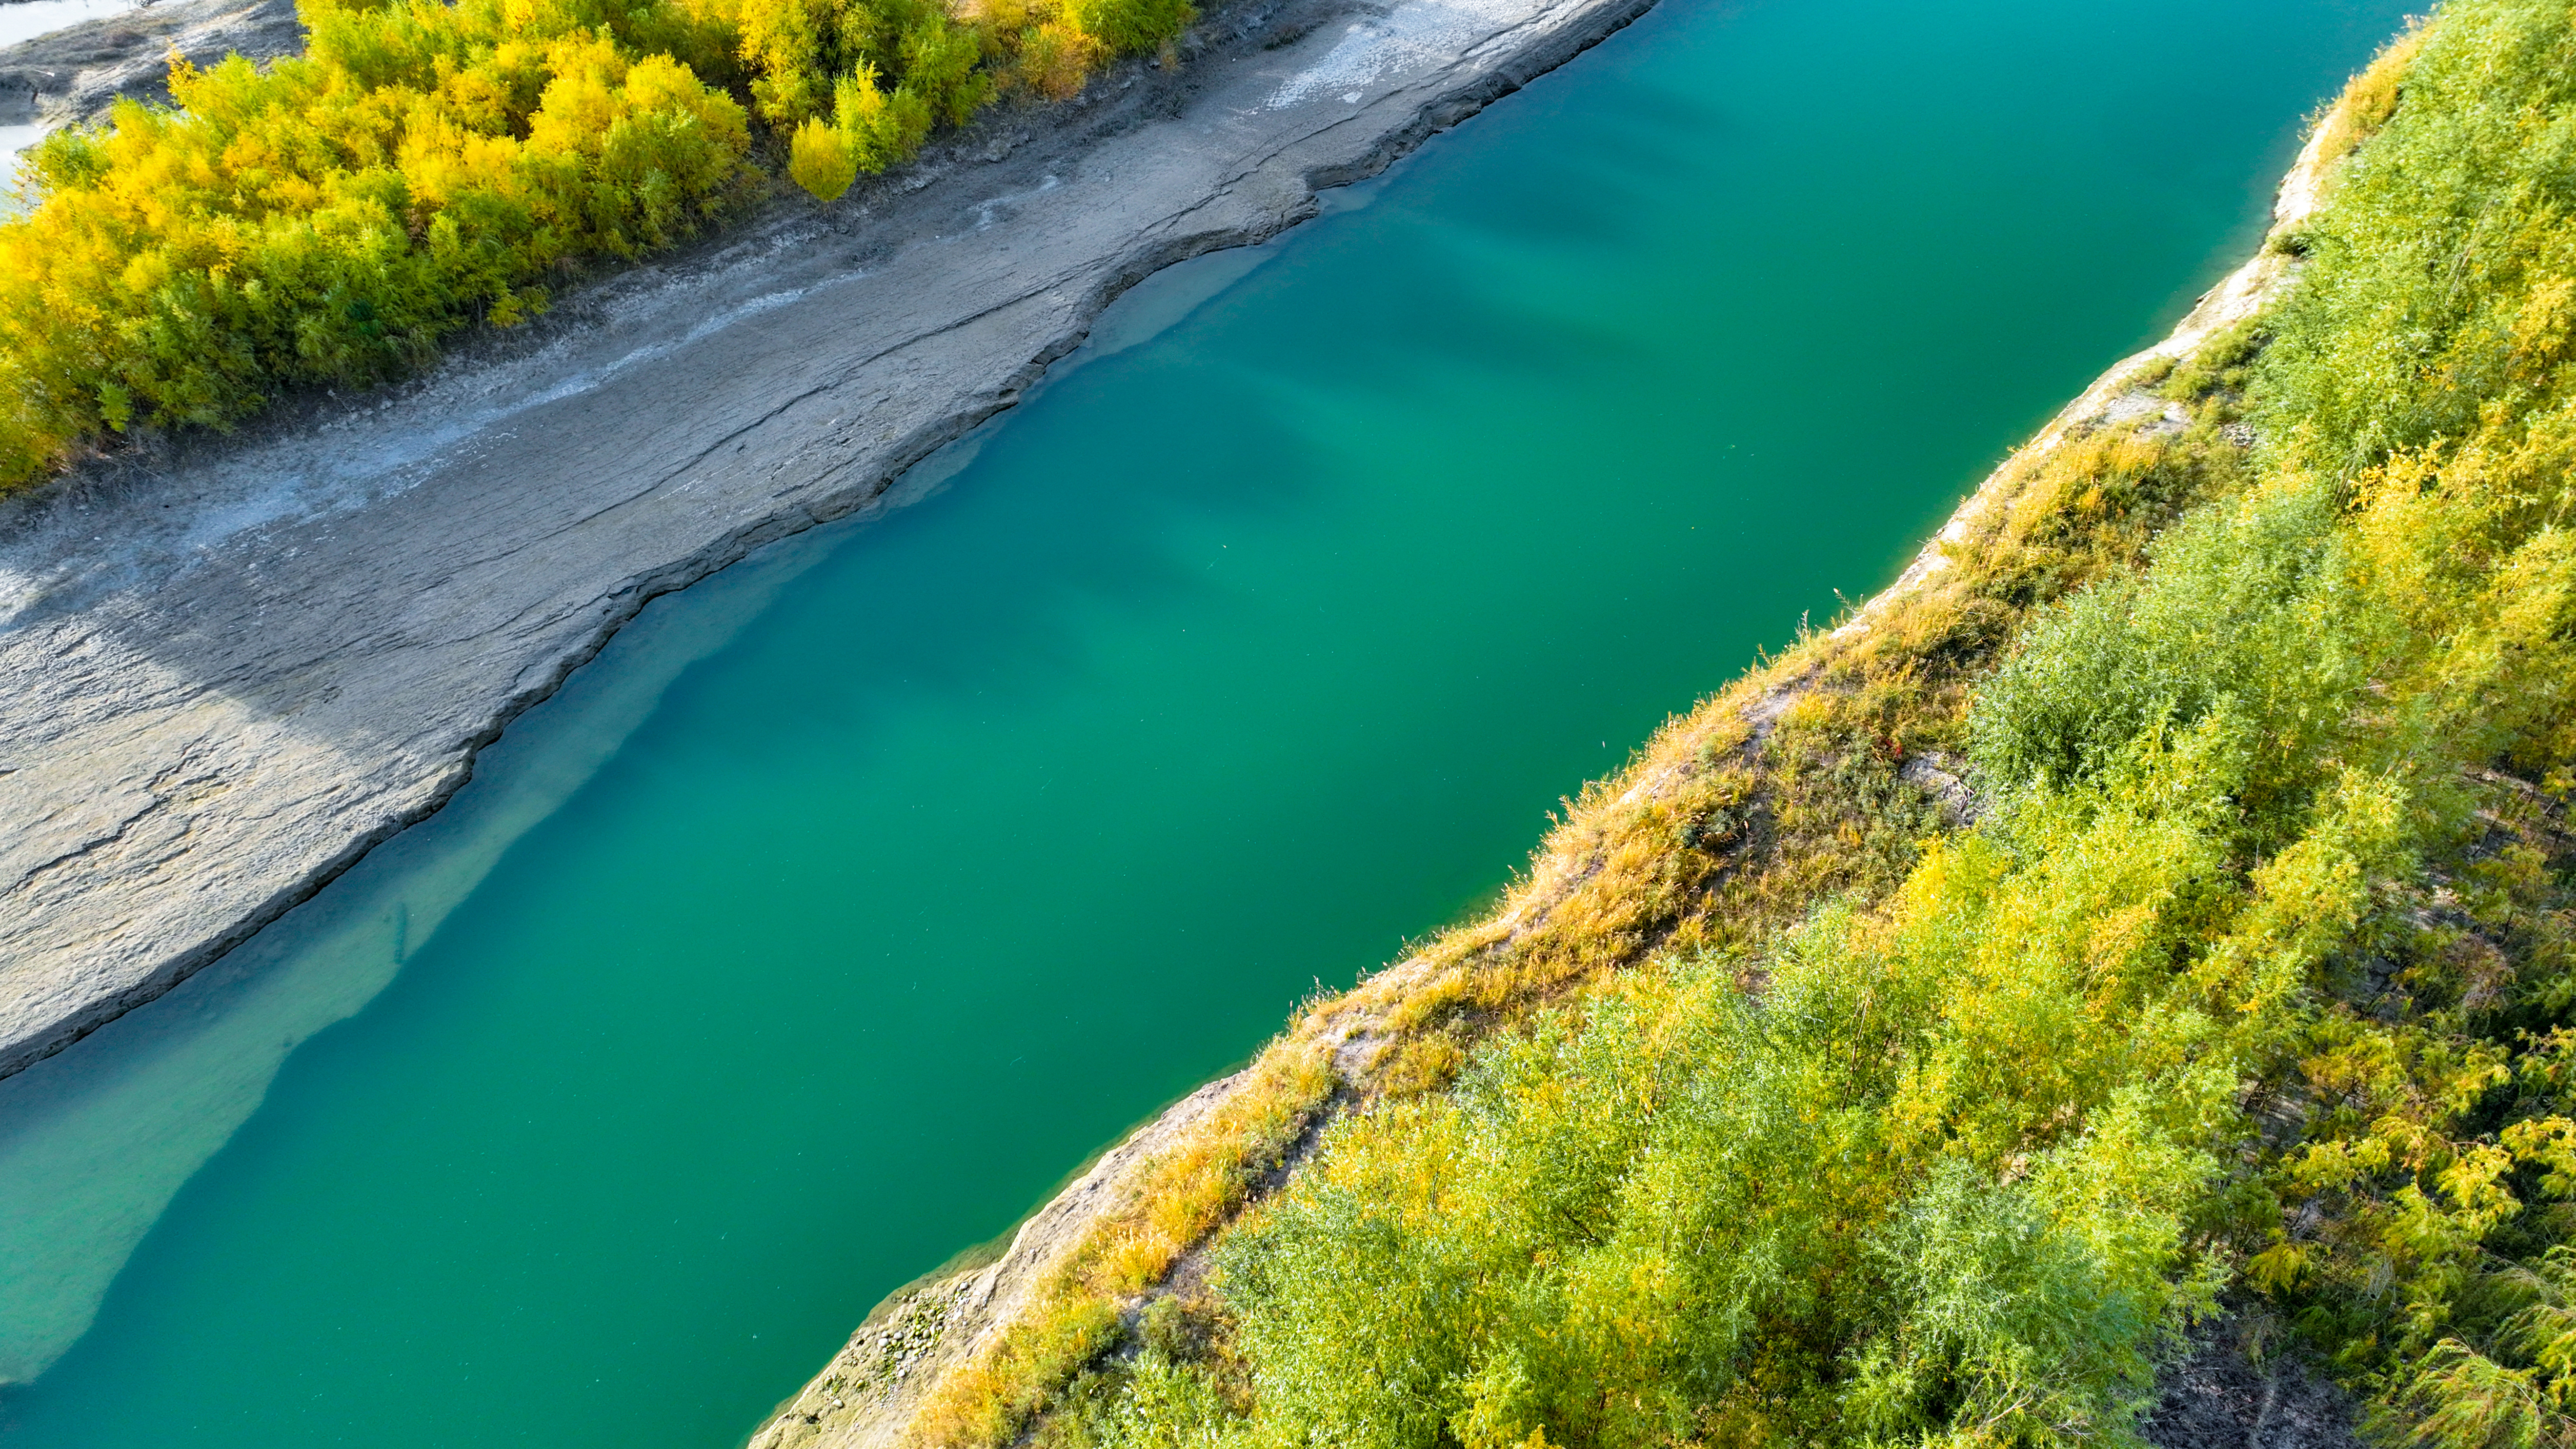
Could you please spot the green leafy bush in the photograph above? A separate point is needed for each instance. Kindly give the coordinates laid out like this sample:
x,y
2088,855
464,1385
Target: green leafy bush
x,y
1131,25
2242,616
1946,1176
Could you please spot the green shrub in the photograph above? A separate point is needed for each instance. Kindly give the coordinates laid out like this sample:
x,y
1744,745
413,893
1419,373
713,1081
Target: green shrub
x,y
328,220
822,160
1132,25
2242,615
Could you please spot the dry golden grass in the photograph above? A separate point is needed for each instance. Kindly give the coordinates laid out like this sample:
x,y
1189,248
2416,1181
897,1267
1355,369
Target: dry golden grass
x,y
2371,98
1179,1199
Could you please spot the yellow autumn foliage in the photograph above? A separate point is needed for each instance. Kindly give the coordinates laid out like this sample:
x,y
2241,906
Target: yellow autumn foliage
x,y
424,167
328,220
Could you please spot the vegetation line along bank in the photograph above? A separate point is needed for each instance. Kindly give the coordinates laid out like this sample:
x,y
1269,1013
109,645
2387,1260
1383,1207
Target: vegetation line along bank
x,y
427,166
2156,918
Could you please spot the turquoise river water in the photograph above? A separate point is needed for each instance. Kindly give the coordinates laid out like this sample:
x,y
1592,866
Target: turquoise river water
x,y
850,899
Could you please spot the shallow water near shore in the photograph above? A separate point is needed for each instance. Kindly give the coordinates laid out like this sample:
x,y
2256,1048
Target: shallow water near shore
x,y
851,898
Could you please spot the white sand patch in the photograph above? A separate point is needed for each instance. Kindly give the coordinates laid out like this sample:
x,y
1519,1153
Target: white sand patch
x,y
27,19
1417,36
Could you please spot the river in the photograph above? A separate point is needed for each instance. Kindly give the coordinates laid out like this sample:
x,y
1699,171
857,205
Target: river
x,y
830,917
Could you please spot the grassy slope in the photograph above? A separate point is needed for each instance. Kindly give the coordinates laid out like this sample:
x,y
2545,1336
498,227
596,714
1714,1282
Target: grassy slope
x,y
2256,978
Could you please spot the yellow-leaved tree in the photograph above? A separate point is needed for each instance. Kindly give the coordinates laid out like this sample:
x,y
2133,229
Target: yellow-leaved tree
x,y
425,166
